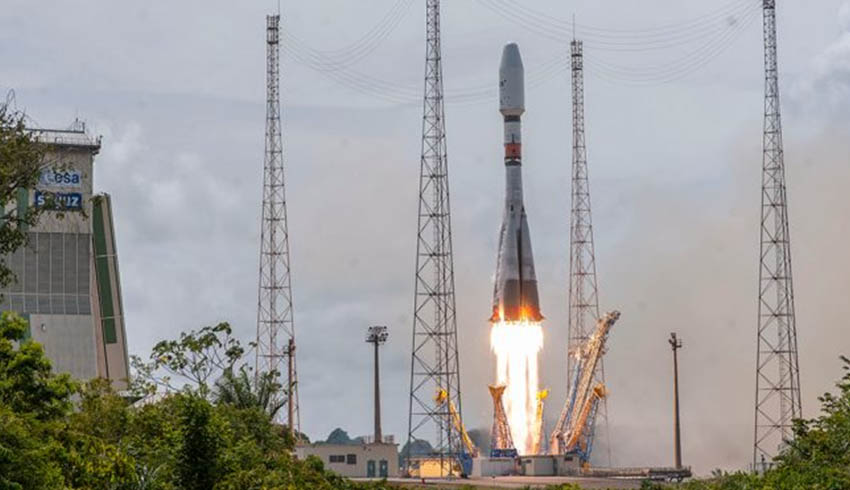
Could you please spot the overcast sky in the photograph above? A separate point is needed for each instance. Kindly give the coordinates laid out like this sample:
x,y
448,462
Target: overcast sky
x,y
177,90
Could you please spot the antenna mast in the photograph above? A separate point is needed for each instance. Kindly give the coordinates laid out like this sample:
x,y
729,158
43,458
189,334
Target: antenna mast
x,y
275,325
434,362
777,367
584,299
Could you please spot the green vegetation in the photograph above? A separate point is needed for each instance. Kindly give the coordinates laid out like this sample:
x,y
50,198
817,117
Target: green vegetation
x,y
197,438
20,166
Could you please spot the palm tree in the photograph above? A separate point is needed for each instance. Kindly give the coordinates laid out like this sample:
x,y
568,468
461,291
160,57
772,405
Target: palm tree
x,y
242,390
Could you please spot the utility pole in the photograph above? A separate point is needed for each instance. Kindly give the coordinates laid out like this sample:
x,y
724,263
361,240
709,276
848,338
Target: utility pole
x,y
434,364
377,336
777,397
290,381
676,344
275,323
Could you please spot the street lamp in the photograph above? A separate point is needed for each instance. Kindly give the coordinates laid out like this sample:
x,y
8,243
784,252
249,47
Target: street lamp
x,y
377,335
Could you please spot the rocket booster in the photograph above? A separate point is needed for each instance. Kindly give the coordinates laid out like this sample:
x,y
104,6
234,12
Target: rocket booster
x,y
515,295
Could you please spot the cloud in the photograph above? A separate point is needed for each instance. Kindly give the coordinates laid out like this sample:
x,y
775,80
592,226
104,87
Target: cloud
x,y
827,89
844,16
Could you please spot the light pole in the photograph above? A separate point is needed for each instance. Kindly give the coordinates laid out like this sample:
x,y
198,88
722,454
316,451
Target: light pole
x,y
290,355
676,344
377,335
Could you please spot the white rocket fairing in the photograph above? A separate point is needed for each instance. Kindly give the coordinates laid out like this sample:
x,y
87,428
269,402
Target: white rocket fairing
x,y
515,295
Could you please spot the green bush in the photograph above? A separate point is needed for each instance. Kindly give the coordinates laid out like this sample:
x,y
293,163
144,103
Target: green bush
x,y
185,441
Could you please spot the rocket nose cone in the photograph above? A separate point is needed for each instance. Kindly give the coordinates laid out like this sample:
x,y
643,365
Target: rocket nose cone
x,y
511,82
511,57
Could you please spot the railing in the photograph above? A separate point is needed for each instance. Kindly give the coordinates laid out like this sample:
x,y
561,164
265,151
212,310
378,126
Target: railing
x,y
371,439
68,138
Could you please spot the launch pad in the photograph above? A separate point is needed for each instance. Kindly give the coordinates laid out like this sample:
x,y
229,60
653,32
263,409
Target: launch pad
x,y
520,445
568,466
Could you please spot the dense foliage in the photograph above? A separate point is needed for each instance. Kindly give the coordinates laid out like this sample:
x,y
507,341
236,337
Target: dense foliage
x,y
51,439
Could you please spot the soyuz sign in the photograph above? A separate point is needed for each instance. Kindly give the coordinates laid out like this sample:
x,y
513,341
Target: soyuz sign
x,y
71,201
60,178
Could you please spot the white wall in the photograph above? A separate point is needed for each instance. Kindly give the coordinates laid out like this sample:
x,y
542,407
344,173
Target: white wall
x,y
362,453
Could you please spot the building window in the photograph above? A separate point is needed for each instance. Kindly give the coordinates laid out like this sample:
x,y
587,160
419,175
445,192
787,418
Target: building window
x,y
336,458
351,459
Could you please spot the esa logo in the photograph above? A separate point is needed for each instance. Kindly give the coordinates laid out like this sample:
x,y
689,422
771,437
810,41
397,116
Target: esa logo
x,y
60,178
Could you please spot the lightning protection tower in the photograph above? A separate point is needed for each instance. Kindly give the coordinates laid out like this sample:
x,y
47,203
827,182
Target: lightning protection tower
x,y
584,300
434,362
275,326
777,369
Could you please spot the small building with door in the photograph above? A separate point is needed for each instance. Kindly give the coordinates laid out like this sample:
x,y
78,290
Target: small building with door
x,y
372,460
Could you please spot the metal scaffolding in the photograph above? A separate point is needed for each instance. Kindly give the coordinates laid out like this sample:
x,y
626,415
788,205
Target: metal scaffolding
x,y
275,324
584,296
777,397
434,362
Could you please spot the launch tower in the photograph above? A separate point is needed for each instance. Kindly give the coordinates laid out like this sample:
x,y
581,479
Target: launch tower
x,y
583,299
434,366
777,369
275,324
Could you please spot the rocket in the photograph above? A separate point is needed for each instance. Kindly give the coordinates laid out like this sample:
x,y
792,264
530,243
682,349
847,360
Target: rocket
x,y
515,296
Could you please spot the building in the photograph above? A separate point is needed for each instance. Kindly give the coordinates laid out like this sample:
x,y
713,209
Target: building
x,y
68,285
373,460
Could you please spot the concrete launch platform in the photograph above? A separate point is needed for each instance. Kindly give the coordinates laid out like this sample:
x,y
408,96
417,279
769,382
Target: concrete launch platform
x,y
514,482
554,472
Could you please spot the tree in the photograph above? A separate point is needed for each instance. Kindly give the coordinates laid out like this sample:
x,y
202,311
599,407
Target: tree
x,y
95,454
27,384
27,453
201,441
20,166
196,359
182,441
33,402
819,455
243,390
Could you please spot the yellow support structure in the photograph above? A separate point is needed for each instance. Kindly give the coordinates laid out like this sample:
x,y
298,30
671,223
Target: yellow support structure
x,y
441,398
584,394
538,421
598,394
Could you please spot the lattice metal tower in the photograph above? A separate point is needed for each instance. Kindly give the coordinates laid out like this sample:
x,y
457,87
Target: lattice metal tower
x,y
434,360
500,432
275,325
777,368
584,298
